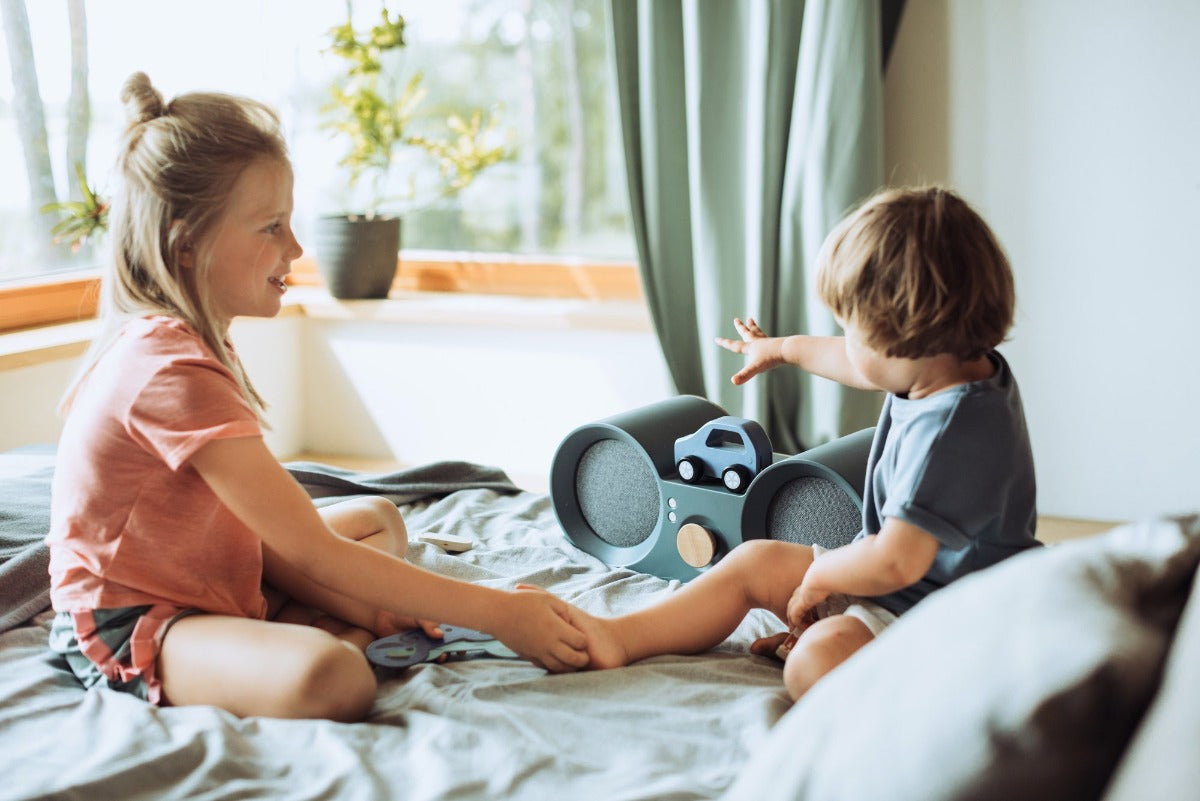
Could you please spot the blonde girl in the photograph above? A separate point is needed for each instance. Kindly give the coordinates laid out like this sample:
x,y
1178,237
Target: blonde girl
x,y
187,565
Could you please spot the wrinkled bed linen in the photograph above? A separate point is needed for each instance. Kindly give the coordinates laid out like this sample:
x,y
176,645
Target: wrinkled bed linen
x,y
677,727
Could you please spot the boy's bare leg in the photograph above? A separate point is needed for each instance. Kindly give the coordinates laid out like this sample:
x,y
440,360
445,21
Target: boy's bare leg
x,y
760,574
823,646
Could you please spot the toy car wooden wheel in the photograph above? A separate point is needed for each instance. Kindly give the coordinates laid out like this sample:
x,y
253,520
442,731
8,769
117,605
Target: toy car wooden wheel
x,y
736,478
690,469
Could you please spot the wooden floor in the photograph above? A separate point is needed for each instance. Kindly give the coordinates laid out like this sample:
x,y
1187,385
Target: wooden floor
x,y
1050,529
366,465
1058,529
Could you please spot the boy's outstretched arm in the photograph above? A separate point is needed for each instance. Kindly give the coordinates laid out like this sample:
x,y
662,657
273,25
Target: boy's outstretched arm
x,y
823,356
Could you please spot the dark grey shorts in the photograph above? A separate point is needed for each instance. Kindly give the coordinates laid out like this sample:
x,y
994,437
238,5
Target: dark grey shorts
x,y
116,648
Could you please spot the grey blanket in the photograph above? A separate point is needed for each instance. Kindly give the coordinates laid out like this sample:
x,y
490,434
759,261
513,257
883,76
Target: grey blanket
x,y
25,512
400,487
671,727
24,521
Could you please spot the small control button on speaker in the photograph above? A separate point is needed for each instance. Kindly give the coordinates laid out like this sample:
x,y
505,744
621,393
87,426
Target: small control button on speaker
x,y
697,545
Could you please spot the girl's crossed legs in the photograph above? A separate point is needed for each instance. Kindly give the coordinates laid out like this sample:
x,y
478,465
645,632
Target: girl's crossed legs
x,y
307,660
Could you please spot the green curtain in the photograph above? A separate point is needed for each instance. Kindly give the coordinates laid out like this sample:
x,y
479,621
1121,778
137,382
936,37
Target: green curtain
x,y
750,128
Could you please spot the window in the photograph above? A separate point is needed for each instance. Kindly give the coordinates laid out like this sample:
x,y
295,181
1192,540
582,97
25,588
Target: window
x,y
541,67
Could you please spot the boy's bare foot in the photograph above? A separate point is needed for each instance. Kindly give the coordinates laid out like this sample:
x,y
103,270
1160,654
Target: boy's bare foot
x,y
767,646
604,647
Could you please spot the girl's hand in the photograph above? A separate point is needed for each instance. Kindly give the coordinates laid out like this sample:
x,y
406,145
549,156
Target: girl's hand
x,y
387,623
762,352
539,627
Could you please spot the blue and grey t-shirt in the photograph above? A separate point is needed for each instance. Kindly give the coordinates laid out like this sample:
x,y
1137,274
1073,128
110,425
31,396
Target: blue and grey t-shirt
x,y
958,465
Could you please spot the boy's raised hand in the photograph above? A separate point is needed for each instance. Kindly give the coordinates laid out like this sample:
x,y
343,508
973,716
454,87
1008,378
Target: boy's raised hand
x,y
538,626
761,351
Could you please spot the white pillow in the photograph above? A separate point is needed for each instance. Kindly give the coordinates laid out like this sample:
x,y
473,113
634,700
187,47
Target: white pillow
x,y
1161,760
1022,681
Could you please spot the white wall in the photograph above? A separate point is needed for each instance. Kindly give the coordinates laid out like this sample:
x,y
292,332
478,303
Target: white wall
x,y
28,399
498,381
269,349
1074,127
467,383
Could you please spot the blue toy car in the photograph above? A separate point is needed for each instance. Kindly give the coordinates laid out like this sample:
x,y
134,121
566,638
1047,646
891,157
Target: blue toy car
x,y
732,449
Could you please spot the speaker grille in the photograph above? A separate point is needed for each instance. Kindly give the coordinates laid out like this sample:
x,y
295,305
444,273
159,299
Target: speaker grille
x,y
618,493
812,510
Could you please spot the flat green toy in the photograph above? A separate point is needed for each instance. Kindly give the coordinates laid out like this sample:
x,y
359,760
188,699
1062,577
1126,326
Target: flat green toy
x,y
408,648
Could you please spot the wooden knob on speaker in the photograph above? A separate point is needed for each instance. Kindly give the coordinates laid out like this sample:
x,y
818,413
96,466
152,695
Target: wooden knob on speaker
x,y
696,544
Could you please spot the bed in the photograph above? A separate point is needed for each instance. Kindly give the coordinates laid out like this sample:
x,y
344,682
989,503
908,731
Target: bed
x,y
1077,683
672,727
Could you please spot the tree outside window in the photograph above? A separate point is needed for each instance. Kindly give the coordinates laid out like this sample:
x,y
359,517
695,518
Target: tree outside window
x,y
542,66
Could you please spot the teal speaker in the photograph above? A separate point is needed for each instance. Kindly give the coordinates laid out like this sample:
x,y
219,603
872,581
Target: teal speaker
x,y
672,487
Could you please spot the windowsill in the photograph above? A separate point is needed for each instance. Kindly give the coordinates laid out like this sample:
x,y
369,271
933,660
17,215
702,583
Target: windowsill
x,y
73,298
468,309
48,343
66,298
501,274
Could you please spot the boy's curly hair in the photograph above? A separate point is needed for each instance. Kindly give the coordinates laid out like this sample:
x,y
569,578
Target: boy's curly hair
x,y
919,273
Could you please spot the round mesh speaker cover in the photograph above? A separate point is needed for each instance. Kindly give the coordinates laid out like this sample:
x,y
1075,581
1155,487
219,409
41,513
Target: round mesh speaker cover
x,y
812,510
617,492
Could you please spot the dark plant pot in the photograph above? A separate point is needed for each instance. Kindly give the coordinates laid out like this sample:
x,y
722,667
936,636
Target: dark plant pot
x,y
357,256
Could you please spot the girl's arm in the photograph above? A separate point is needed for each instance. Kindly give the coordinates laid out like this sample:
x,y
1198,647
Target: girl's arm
x,y
895,558
264,496
823,356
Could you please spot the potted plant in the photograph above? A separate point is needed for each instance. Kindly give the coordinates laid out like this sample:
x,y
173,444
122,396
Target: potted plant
x,y
81,220
373,109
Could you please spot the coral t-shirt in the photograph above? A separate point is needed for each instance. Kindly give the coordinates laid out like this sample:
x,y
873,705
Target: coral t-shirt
x,y
131,522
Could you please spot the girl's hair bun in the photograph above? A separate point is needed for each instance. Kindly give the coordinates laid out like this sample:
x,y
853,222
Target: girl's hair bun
x,y
142,101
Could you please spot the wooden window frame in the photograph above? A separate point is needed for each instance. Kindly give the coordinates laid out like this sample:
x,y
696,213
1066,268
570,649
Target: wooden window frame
x,y
74,297
64,299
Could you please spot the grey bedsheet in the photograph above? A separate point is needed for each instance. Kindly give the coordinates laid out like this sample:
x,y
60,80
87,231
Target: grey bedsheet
x,y
667,728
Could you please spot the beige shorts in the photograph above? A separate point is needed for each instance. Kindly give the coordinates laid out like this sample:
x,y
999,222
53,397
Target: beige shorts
x,y
872,615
